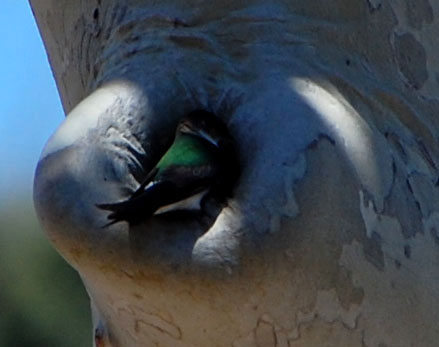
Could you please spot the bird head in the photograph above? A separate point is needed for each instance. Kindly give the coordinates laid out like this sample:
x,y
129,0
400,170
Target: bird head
x,y
205,125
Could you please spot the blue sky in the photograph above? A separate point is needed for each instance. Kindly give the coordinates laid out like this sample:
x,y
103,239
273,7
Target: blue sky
x,y
30,108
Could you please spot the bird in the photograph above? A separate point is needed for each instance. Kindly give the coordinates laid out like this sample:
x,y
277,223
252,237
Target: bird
x,y
201,159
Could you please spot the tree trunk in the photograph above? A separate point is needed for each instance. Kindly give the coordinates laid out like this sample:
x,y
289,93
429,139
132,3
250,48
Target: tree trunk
x,y
331,236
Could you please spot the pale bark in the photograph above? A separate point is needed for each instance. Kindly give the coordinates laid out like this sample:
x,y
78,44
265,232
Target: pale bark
x,y
331,237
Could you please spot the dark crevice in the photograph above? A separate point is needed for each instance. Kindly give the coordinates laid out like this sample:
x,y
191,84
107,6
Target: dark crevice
x,y
320,137
407,251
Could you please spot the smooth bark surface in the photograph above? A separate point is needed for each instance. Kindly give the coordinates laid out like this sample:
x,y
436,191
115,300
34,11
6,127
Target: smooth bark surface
x,y
331,236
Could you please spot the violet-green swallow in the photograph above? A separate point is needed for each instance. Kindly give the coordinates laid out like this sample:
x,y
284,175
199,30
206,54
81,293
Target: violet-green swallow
x,y
201,159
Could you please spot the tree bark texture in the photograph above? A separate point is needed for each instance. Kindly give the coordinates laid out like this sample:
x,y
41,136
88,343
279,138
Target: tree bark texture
x,y
331,237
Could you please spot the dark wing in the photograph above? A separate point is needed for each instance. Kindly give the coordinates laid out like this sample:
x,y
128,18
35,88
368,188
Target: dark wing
x,y
145,182
172,185
133,208
186,178
137,208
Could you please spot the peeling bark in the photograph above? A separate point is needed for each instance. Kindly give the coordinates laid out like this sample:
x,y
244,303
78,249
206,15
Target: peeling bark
x,y
330,237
